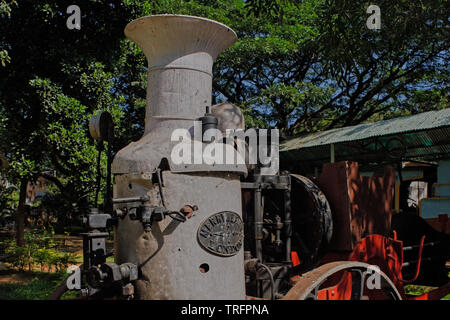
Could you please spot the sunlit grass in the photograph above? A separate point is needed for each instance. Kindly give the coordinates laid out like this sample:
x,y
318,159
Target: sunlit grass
x,y
36,286
416,290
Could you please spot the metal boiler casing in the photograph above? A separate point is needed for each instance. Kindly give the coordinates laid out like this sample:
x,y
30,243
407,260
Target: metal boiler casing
x,y
174,264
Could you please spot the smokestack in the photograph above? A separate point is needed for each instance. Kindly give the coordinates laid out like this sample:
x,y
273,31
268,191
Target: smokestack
x,y
201,258
180,51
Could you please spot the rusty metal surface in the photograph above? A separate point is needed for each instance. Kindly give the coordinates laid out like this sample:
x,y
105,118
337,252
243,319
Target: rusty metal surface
x,y
440,223
308,284
421,136
170,257
179,84
180,52
312,220
414,123
360,205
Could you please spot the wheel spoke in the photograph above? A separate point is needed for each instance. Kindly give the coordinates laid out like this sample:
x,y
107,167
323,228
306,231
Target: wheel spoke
x,y
351,279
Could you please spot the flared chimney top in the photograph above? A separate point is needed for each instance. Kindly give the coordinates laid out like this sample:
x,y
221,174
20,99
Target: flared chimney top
x,y
167,37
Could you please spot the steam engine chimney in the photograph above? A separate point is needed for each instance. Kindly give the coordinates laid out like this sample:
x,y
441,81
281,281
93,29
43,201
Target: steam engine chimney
x,y
201,258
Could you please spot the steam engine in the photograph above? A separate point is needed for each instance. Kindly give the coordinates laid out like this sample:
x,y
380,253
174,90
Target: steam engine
x,y
186,225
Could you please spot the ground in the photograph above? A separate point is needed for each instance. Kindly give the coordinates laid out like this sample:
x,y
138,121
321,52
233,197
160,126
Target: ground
x,y
38,285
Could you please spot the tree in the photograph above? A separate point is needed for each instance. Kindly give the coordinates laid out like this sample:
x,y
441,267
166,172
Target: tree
x,y
300,66
366,74
55,80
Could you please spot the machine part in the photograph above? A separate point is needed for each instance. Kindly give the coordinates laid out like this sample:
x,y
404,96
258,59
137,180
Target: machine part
x,y
418,263
209,122
256,184
97,220
131,199
387,255
278,226
148,214
98,181
350,284
261,284
361,205
128,290
222,233
410,228
96,278
229,117
252,266
110,273
94,248
160,186
312,222
287,224
129,271
101,128
101,125
272,282
258,221
188,210
172,248
94,241
179,85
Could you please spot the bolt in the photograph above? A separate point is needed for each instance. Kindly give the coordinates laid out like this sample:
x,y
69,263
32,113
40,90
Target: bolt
x,y
147,227
128,290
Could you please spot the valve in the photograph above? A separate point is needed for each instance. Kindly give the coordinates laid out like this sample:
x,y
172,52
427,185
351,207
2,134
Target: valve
x,y
147,214
110,273
208,122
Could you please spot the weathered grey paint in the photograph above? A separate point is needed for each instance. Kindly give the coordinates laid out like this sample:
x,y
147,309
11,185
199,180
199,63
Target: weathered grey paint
x,y
180,51
170,256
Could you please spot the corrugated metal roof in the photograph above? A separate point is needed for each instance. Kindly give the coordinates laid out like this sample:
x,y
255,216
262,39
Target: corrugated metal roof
x,y
424,136
413,123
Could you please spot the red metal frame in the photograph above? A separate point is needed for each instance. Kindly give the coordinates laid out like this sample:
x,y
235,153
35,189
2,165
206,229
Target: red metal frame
x,y
419,261
387,254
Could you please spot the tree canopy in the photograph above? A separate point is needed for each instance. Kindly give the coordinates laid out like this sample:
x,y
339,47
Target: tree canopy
x,y
300,66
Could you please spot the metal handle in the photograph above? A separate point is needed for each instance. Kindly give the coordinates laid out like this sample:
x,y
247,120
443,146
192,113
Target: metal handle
x,y
131,199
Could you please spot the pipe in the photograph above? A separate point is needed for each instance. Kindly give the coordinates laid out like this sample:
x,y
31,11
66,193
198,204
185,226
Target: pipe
x,y
161,194
287,222
180,52
258,224
131,199
428,244
272,282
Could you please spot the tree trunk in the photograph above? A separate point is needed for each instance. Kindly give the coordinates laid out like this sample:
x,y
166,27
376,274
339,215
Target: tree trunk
x,y
20,217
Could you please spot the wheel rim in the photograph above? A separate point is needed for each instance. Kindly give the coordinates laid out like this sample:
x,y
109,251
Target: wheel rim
x,y
351,284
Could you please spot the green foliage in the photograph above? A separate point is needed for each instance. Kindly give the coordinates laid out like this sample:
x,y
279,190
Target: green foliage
x,y
17,256
39,250
5,11
300,66
39,287
46,99
417,290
